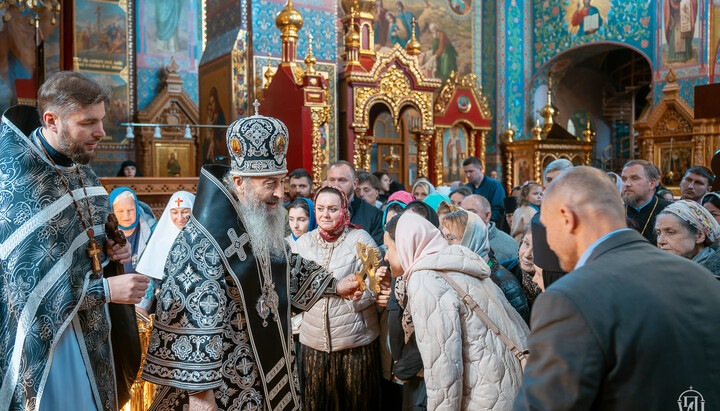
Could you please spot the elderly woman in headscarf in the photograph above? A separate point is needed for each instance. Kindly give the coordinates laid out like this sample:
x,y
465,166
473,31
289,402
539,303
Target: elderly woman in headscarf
x,y
687,229
152,262
422,189
339,349
135,219
468,229
466,365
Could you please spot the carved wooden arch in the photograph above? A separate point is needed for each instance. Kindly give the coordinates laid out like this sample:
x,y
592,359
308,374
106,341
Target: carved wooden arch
x,y
173,105
395,90
671,125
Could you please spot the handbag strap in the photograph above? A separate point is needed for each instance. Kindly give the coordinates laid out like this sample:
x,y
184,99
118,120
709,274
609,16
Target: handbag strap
x,y
520,355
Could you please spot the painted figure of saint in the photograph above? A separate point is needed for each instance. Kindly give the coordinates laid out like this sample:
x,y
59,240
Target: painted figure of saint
x,y
444,52
167,16
679,17
215,138
587,18
454,153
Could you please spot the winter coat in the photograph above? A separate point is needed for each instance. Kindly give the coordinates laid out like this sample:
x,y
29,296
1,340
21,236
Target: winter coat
x,y
466,365
334,323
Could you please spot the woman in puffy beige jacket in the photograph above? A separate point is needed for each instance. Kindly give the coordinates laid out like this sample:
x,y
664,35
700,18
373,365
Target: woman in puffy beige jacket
x,y
339,350
467,366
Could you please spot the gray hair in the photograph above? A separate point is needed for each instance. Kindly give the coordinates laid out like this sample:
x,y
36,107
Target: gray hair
x,y
559,164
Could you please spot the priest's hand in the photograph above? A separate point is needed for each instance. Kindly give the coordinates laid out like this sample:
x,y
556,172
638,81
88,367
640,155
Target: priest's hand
x,y
203,401
122,255
127,288
349,288
385,285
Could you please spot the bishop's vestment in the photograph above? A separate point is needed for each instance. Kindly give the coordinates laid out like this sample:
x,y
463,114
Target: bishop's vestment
x,y
223,312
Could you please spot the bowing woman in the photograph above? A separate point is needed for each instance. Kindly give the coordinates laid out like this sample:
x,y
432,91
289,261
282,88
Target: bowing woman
x,y
339,350
152,262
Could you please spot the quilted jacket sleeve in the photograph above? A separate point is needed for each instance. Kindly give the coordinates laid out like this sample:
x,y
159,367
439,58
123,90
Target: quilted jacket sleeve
x,y
436,315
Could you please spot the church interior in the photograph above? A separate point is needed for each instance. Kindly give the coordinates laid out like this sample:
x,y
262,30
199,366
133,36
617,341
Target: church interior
x,y
411,87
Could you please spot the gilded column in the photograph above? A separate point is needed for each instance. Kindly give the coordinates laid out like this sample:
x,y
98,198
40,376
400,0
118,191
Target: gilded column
x,y
367,152
481,149
358,150
319,116
439,156
423,145
509,180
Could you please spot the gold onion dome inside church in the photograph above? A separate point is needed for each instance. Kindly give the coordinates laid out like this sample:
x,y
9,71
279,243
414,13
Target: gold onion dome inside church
x,y
470,109
289,20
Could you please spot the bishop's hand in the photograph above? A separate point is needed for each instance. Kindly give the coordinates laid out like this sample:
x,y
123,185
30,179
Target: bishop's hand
x,y
349,288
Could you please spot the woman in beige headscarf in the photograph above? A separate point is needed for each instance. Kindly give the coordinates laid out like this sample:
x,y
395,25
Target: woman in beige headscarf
x,y
456,346
687,229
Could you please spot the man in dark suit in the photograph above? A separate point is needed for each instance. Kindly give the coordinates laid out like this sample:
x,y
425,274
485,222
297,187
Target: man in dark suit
x,y
631,327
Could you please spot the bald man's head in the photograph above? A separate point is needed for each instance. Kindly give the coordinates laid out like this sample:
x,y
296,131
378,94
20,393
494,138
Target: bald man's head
x,y
578,205
478,205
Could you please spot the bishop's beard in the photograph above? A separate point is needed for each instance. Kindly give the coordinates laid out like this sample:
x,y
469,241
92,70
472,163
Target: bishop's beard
x,y
265,227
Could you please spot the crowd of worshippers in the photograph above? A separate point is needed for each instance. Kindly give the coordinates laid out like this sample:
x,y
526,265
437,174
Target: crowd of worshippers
x,y
405,359
592,291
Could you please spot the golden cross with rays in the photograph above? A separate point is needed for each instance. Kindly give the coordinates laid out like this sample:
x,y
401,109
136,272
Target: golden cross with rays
x,y
368,255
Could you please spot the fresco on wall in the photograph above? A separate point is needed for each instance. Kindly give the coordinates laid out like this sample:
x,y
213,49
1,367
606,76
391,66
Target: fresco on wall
x,y
443,27
715,44
100,36
586,16
165,29
626,22
680,33
17,51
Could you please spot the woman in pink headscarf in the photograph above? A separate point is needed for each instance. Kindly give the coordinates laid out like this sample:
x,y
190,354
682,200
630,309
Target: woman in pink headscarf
x,y
467,366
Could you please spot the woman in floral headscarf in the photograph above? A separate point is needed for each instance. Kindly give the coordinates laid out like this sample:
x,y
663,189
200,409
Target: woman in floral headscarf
x,y
339,349
687,229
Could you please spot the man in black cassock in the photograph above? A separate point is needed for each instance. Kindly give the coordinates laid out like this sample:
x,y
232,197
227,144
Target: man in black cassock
x,y
222,335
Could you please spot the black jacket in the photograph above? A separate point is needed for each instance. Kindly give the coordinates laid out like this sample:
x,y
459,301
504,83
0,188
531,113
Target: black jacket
x,y
369,216
632,329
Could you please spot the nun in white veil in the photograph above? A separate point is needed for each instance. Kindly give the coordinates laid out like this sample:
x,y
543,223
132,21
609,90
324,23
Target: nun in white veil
x,y
152,262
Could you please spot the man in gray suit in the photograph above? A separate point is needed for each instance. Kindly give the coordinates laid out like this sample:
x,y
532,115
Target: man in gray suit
x,y
631,327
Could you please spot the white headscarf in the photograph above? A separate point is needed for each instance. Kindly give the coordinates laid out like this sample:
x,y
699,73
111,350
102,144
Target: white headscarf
x,y
152,261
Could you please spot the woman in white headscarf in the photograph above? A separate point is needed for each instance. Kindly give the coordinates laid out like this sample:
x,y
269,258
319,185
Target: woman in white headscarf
x,y
152,262
687,229
421,189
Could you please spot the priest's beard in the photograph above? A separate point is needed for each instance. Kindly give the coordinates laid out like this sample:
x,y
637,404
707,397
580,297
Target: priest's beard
x,y
73,148
265,227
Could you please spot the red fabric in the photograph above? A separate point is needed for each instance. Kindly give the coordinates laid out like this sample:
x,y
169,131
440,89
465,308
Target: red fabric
x,y
337,231
401,196
579,15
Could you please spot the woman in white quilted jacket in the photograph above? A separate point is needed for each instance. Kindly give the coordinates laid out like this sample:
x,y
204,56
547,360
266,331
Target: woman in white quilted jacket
x,y
467,366
339,349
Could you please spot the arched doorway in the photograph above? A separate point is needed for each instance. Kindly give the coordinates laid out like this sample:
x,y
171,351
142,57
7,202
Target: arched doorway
x,y
606,84
394,148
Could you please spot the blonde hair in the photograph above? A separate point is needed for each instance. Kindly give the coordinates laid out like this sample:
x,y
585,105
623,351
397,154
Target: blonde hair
x,y
456,218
